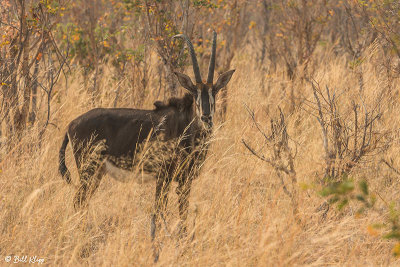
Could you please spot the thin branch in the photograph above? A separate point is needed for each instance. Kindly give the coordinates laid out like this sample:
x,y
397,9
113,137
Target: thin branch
x,y
252,115
269,161
391,167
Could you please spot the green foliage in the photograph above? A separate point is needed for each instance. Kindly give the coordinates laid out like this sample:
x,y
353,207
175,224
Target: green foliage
x,y
133,5
394,232
342,192
126,55
338,192
394,220
204,3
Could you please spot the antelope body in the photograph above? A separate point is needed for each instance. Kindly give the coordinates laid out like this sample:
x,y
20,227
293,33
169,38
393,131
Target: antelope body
x,y
171,139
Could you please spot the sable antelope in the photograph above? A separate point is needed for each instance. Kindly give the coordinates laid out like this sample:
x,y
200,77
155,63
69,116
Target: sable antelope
x,y
173,136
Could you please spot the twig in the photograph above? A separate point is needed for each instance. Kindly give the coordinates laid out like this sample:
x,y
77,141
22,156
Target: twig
x,y
391,166
269,161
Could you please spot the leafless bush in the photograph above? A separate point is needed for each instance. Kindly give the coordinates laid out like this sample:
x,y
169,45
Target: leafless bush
x,y
281,156
346,141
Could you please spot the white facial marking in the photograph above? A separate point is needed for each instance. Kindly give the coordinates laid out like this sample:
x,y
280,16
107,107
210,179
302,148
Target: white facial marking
x,y
198,102
212,102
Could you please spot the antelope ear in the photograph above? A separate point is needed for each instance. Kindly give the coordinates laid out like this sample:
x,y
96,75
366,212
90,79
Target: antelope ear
x,y
223,80
186,82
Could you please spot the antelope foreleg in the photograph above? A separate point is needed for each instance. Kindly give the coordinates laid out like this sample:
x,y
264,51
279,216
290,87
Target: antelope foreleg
x,y
161,201
183,191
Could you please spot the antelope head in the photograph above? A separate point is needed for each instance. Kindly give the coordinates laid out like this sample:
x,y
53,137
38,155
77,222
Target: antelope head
x,y
203,93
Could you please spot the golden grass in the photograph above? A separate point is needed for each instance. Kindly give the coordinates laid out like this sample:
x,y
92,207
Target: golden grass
x,y
238,211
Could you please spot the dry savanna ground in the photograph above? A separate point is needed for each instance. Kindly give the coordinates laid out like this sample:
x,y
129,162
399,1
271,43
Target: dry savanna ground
x,y
239,213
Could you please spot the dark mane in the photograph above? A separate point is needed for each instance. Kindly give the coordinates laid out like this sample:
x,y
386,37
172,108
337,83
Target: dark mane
x,y
183,103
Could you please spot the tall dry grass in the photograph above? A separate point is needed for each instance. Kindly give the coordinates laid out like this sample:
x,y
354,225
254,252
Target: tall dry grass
x,y
239,213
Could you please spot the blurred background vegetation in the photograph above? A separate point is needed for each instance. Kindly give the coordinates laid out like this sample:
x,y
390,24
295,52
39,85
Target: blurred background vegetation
x,y
43,40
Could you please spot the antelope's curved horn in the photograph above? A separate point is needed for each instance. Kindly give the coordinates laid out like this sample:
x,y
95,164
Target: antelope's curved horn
x,y
196,68
212,59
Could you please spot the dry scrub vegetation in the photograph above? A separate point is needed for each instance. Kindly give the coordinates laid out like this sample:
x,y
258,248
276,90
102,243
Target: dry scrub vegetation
x,y
243,210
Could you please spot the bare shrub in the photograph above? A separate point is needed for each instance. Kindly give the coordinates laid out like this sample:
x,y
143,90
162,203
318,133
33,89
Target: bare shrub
x,y
346,141
280,157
